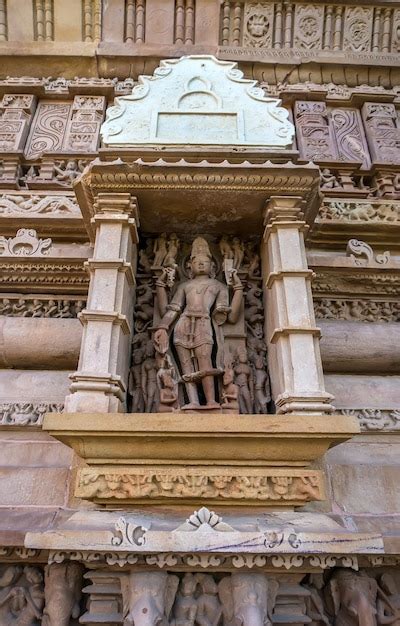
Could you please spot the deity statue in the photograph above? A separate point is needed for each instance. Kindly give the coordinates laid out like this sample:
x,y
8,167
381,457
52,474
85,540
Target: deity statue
x,y
200,306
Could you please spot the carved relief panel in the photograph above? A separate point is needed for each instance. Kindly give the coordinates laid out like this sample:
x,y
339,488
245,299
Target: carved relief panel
x,y
199,342
381,123
258,25
330,134
66,126
314,133
15,117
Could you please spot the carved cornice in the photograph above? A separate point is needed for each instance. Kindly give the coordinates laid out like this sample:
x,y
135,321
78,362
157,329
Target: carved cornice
x,y
235,191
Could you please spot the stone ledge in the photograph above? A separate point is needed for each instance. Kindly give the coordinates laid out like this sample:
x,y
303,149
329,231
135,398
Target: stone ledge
x,y
229,459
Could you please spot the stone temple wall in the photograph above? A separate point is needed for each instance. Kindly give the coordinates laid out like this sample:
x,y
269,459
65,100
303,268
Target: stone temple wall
x,y
301,534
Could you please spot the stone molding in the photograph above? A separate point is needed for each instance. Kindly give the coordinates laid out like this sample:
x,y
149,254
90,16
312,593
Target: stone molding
x,y
232,485
59,275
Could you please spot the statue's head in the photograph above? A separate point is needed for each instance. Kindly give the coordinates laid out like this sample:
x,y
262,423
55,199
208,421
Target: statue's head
x,y
200,258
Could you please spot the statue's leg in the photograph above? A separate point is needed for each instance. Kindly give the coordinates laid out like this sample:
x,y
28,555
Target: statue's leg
x,y
203,354
187,367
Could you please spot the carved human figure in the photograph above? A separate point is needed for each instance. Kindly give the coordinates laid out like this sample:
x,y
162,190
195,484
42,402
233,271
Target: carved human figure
x,y
67,173
243,379
6,307
354,598
226,248
51,309
209,609
144,306
144,263
160,250
230,392
21,596
37,309
388,604
247,599
19,307
167,386
262,393
185,609
136,380
254,311
148,598
149,379
172,252
200,306
62,591
238,253
329,180
65,310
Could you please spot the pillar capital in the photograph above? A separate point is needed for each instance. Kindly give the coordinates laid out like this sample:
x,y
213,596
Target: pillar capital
x,y
111,202
282,208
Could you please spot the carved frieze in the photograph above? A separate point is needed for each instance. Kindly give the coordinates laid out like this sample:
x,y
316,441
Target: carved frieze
x,y
371,212
29,204
376,420
362,310
229,484
23,306
44,275
26,413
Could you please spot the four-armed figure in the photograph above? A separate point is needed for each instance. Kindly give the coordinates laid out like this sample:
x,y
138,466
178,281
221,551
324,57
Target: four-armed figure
x,y
200,306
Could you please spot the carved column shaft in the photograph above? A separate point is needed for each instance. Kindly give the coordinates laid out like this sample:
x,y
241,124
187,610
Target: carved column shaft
x,y
100,382
294,354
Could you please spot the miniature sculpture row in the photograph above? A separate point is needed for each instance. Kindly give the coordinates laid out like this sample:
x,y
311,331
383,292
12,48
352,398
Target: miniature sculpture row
x,y
52,596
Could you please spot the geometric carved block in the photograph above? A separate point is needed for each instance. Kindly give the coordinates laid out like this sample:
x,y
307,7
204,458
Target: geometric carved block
x,y
314,133
381,122
15,117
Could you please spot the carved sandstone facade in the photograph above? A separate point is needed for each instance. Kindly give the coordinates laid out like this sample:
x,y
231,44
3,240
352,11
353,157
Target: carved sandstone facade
x,y
199,313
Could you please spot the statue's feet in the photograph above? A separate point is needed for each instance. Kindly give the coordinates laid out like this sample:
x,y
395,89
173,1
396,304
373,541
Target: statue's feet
x,y
192,406
213,405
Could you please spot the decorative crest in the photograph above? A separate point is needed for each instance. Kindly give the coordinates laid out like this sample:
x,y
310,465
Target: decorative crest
x,y
197,100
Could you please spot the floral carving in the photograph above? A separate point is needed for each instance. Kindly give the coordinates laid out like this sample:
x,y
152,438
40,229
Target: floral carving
x,y
357,28
308,26
25,243
258,20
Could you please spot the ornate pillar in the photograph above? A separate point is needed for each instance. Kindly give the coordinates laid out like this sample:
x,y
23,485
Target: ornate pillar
x,y
100,383
293,340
